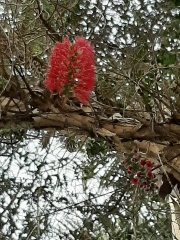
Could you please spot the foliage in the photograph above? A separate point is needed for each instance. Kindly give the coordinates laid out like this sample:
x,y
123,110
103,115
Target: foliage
x,y
42,195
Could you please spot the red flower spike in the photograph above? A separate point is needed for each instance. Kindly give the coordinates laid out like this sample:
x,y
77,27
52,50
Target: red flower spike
x,y
57,75
72,65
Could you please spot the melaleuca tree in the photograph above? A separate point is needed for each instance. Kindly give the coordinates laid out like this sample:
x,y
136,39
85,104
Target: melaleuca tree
x,y
67,169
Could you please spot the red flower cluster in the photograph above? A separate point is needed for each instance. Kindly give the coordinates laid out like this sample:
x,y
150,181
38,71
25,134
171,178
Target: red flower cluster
x,y
140,171
71,67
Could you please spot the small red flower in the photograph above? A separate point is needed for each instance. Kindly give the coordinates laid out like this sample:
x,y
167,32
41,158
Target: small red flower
x,y
129,172
143,162
135,150
129,167
139,174
134,181
153,185
134,159
144,184
72,66
150,174
149,164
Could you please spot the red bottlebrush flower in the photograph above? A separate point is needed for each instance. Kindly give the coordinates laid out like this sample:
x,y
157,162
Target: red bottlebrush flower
x,y
134,181
72,65
57,75
85,73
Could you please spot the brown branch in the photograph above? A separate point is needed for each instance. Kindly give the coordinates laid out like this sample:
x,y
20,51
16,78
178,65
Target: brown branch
x,y
53,34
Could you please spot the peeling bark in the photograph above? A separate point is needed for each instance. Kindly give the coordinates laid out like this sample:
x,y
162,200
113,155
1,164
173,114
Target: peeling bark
x,y
158,142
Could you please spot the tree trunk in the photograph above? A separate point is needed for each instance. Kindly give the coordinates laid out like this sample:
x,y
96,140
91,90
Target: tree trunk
x,y
156,141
